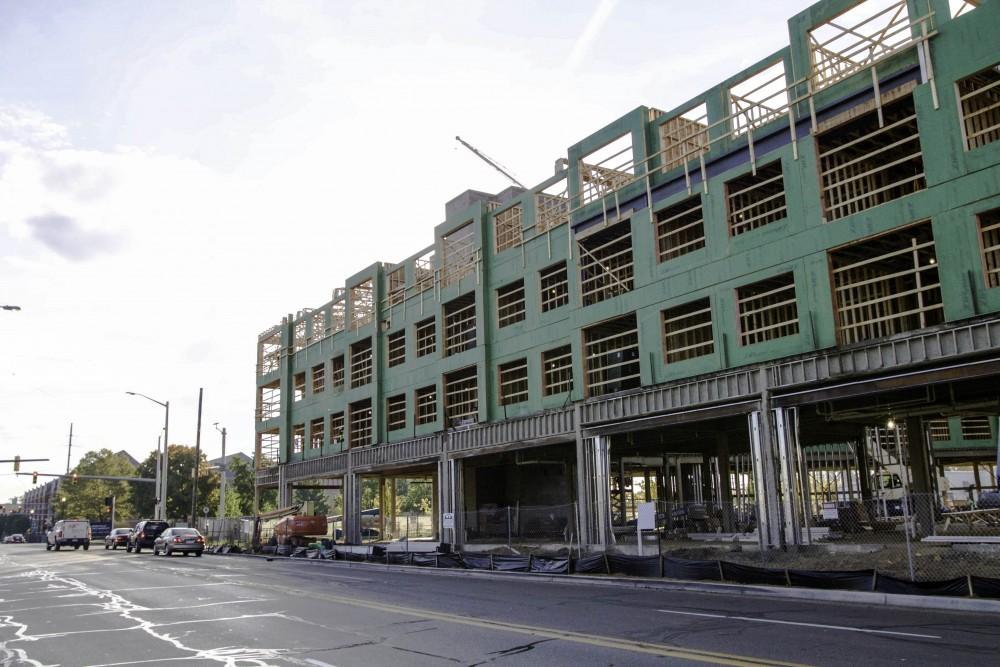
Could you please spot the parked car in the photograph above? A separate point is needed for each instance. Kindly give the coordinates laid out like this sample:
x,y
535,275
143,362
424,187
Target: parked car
x,y
16,538
180,540
144,534
68,533
119,537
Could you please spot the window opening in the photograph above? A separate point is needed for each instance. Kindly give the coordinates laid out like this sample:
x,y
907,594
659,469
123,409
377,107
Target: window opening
x,y
397,286
318,378
759,100
426,400
397,348
767,309
317,327
606,263
298,386
268,448
680,229
551,207
976,428
856,39
687,331
757,199
939,430
299,334
337,311
298,438
962,7
395,408
316,433
423,268
361,422
554,286
887,285
461,397
269,401
337,429
460,324
508,226
459,253
510,303
361,363
426,339
863,165
557,368
612,356
513,382
337,372
684,136
362,304
269,351
979,95
607,169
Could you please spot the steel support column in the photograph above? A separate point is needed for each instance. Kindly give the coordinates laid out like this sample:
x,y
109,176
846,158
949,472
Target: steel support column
x,y
765,484
599,461
786,435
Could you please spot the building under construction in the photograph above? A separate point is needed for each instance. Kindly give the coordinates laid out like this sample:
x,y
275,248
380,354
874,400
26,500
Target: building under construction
x,y
782,293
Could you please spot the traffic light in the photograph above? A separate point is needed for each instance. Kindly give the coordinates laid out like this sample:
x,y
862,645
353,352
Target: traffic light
x,y
17,463
76,477
107,500
34,478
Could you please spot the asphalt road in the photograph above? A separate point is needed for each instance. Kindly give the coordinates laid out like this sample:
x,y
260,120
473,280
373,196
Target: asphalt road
x,y
114,608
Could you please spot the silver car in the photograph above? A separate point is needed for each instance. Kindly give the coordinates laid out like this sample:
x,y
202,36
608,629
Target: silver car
x,y
179,540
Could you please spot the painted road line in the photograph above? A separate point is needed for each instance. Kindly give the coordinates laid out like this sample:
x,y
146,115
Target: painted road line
x,y
632,646
318,663
800,623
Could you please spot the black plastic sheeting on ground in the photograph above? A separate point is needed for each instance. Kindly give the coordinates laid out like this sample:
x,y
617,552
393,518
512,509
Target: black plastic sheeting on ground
x,y
748,574
636,566
424,560
511,563
478,561
592,564
983,587
549,565
398,558
957,587
450,560
845,580
698,570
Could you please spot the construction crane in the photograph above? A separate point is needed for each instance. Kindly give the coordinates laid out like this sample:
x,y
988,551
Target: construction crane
x,y
493,163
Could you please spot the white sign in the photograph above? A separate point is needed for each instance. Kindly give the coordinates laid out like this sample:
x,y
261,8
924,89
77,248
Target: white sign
x,y
830,511
448,520
647,516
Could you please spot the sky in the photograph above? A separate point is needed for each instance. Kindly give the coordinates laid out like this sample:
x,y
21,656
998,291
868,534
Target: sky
x,y
175,177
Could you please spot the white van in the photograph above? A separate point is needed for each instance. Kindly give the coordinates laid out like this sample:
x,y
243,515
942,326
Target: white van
x,y
69,532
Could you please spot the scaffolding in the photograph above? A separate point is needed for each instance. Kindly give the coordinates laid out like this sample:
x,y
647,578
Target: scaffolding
x,y
460,253
269,351
510,304
461,397
680,229
361,363
557,369
337,373
507,226
426,337
460,324
513,381
362,304
756,199
395,412
268,448
606,265
426,405
979,96
397,348
361,422
316,435
554,282
318,378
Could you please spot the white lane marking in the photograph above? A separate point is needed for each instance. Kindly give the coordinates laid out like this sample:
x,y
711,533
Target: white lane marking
x,y
808,625
208,604
318,663
158,588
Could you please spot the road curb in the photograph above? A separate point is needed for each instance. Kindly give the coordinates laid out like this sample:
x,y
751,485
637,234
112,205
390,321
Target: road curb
x,y
644,583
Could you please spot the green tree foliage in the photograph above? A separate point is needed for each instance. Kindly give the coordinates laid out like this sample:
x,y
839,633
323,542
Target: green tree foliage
x,y
317,497
85,497
241,487
180,461
14,523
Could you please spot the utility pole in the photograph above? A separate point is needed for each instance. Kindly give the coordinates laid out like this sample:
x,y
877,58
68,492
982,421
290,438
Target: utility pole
x,y
197,457
69,447
222,484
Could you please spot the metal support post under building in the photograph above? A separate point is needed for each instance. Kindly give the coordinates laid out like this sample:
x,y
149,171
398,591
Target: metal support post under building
x,y
582,476
600,490
786,434
766,489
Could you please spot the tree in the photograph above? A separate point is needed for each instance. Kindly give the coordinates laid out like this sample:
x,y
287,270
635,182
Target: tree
x,y
14,523
317,497
242,485
179,481
85,497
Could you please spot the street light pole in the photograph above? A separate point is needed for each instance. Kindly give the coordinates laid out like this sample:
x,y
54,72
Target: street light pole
x,y
225,468
161,511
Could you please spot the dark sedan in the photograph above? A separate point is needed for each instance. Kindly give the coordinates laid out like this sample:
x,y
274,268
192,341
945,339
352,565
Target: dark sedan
x,y
179,540
117,538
